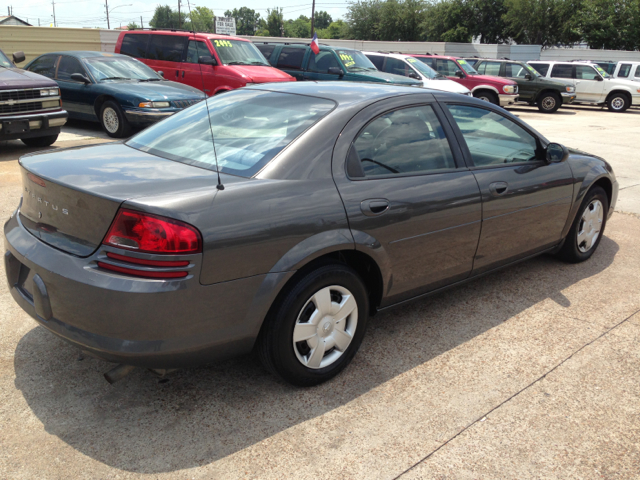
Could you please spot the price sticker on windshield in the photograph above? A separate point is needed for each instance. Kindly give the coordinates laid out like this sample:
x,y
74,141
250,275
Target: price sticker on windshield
x,y
462,62
346,58
223,43
601,70
411,60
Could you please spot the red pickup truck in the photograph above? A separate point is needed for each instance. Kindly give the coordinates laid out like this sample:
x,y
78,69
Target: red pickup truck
x,y
497,90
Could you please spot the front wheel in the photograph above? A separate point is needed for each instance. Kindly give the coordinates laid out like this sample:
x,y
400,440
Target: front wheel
x,y
45,141
317,328
587,228
487,97
549,102
618,102
113,120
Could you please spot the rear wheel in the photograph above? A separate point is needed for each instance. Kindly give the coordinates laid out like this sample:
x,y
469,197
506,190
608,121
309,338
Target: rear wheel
x,y
113,120
45,141
487,97
317,328
549,102
618,102
587,228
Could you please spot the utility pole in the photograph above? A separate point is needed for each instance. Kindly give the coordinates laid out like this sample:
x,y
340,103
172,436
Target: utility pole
x,y
54,12
141,24
106,6
179,19
313,16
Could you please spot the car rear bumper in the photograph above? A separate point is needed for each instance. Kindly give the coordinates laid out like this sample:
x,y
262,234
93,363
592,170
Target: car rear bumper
x,y
133,321
40,124
507,99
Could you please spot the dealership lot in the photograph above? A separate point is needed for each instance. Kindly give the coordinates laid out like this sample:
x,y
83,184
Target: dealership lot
x,y
531,372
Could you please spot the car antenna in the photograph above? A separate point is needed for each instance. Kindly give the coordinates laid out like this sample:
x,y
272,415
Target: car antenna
x,y
220,186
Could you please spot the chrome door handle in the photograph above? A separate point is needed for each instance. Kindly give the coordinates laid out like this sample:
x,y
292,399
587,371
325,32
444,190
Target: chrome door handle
x,y
498,189
374,206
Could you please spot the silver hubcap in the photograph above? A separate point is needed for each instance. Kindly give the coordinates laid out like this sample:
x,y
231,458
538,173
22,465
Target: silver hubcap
x,y
486,99
617,103
548,103
590,226
325,327
110,120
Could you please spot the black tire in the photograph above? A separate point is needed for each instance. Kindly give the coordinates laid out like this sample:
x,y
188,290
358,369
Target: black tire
x,y
113,120
487,96
573,250
45,141
549,102
618,102
276,347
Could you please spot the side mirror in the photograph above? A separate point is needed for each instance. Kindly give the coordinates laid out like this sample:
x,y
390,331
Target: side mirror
x,y
207,60
78,77
599,78
335,71
459,74
18,57
556,153
161,73
528,76
415,75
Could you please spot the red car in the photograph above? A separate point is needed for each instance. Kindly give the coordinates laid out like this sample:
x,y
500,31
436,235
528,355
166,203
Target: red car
x,y
497,90
213,63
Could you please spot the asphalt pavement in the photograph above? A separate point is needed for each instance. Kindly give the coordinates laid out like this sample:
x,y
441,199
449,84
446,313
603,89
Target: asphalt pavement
x,y
532,372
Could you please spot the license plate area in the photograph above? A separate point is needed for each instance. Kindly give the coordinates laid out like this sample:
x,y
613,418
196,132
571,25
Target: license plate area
x,y
15,126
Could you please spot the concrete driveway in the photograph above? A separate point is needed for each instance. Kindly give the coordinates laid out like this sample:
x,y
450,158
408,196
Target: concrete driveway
x,y
532,372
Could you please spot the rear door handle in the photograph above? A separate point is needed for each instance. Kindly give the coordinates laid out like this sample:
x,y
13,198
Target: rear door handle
x,y
498,189
374,206
182,73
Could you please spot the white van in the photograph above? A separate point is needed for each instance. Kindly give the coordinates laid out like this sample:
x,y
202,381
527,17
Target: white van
x,y
409,66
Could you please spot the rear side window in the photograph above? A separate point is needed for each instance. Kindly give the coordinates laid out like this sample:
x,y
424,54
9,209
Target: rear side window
x,y
542,68
135,45
167,48
322,62
407,141
377,60
291,57
490,68
562,71
625,68
585,72
428,61
68,66
397,67
266,50
45,65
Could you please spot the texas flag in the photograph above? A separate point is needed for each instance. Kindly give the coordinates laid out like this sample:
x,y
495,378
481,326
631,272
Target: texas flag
x,y
314,44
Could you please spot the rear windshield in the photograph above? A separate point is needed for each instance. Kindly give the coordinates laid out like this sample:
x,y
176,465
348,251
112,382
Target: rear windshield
x,y
4,61
106,69
236,52
250,128
355,61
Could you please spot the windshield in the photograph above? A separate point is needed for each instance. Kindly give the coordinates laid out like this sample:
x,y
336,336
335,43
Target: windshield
x,y
355,61
4,61
423,68
119,68
467,68
236,52
250,127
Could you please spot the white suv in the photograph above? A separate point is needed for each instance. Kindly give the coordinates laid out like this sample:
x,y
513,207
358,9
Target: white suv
x,y
628,70
592,83
409,66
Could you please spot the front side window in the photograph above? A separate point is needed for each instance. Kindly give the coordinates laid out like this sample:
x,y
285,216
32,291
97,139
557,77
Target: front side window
x,y
291,57
135,45
45,65
562,71
585,72
323,61
68,66
637,74
406,141
119,68
625,68
447,68
166,48
520,70
4,61
249,128
195,50
355,61
493,139
237,52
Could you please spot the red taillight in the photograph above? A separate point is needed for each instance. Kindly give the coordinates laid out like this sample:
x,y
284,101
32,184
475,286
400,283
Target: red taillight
x,y
144,232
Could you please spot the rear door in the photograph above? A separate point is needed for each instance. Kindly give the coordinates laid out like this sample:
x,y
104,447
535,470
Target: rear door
x,y
408,194
525,201
165,53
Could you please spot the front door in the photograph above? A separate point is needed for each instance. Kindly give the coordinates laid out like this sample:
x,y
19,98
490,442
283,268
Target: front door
x,y
589,84
406,190
525,201
77,97
195,74
318,66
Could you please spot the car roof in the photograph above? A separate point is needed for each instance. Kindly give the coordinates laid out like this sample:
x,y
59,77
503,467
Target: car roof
x,y
186,33
428,55
343,93
299,44
506,60
387,54
86,54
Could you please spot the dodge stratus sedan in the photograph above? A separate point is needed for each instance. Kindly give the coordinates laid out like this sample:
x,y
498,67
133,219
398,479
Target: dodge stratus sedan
x,y
280,217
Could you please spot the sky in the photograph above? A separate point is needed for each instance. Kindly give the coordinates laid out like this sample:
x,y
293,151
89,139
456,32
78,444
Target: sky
x,y
91,13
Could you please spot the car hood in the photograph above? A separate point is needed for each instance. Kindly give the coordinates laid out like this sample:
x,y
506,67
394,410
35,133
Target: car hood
x,y
385,77
490,78
11,78
446,85
163,90
623,83
262,74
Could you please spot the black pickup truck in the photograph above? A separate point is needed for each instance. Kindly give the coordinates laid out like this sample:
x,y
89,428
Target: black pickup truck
x,y
30,107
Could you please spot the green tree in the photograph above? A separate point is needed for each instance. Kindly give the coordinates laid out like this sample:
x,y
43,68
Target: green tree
x,y
201,19
298,28
448,21
275,22
247,20
321,20
364,17
486,20
335,30
611,24
165,17
386,20
133,26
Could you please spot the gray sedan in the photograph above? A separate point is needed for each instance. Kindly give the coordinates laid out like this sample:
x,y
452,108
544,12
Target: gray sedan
x,y
280,217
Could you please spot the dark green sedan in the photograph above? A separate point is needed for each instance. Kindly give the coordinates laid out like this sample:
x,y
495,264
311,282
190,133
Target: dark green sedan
x,y
533,88
115,90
